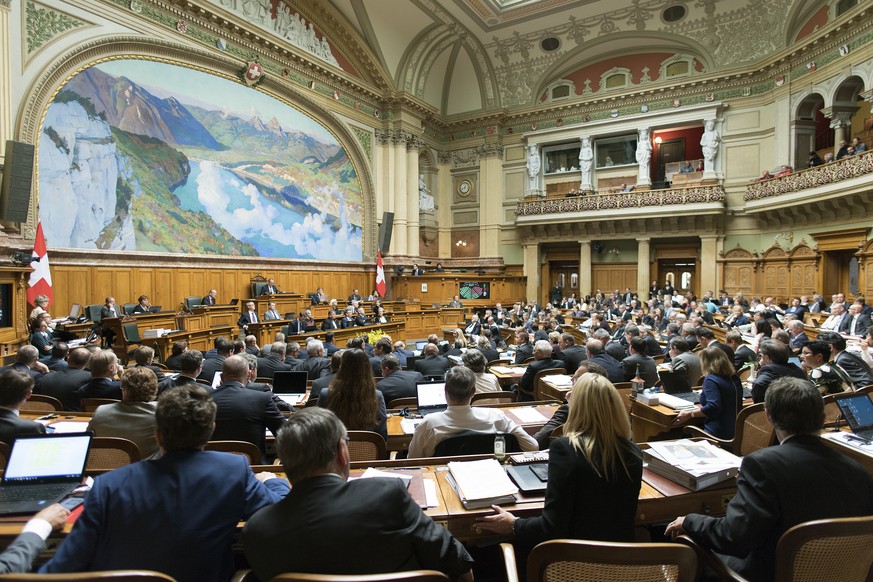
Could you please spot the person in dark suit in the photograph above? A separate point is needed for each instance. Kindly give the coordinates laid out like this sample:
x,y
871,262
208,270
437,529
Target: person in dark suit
x,y
382,348
209,298
27,361
432,364
104,366
855,368
742,353
474,327
401,352
204,493
329,347
859,321
320,384
316,365
63,384
349,319
483,344
223,348
248,316
57,360
109,309
275,361
781,486
15,389
173,362
270,288
639,361
542,352
706,338
597,355
797,335
573,355
796,309
355,296
375,521
330,322
318,297
41,337
523,349
362,319
243,414
298,326
191,366
395,382
593,487
143,305
774,365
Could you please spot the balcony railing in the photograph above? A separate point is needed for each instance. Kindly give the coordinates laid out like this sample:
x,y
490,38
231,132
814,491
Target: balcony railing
x,y
621,200
844,169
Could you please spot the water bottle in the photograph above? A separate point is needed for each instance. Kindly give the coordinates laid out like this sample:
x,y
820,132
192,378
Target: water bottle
x,y
500,447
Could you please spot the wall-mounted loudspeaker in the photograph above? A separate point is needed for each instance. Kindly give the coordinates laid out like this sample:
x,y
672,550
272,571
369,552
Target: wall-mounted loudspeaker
x,y
385,230
17,179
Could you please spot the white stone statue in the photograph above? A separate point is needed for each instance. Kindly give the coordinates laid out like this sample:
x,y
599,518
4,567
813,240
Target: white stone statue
x,y
425,199
586,157
533,167
709,144
644,155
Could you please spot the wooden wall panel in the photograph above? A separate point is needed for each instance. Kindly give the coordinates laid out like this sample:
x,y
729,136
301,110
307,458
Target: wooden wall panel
x,y
608,277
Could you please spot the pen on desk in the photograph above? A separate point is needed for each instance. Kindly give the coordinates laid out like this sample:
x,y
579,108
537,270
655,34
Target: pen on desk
x,y
47,417
857,438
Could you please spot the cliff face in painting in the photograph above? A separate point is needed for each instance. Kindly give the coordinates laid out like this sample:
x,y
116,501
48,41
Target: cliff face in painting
x,y
143,156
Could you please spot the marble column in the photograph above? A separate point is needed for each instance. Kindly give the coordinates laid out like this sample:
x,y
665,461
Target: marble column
x,y
644,159
643,266
401,196
383,172
584,268
532,270
708,264
841,118
490,193
413,145
5,76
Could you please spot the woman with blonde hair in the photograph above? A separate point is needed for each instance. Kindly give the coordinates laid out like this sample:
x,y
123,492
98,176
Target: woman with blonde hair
x,y
721,397
595,474
353,396
40,306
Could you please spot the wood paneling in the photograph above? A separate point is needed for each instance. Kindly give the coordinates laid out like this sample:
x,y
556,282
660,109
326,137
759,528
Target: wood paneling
x,y
441,287
608,277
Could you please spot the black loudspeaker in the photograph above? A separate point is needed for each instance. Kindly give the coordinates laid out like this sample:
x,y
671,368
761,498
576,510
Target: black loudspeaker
x,y
17,179
385,231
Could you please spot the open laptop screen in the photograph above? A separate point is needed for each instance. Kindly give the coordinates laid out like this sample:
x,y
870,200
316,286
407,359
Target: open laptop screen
x,y
431,396
74,311
47,457
858,410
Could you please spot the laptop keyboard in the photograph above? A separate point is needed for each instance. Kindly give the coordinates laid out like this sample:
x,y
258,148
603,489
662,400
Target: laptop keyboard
x,y
30,492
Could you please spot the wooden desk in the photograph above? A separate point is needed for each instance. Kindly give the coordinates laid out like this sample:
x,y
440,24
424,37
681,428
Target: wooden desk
x,y
204,317
202,339
285,302
508,379
265,331
552,390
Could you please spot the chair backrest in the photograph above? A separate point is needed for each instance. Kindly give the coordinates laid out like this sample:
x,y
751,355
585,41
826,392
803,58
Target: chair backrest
x,y
131,333
474,443
412,576
410,362
4,455
365,445
621,385
246,449
257,286
538,381
627,395
404,402
91,404
828,549
127,308
109,453
107,575
753,430
42,403
192,302
744,373
832,412
92,312
583,561
502,397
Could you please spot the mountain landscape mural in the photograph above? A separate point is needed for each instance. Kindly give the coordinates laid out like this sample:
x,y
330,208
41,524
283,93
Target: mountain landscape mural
x,y
136,155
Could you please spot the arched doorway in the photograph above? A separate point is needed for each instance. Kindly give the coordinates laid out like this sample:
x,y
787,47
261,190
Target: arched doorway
x,y
812,131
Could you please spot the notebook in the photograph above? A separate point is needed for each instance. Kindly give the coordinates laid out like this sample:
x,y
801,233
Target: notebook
x,y
431,397
74,311
290,387
42,470
531,478
858,411
234,301
676,384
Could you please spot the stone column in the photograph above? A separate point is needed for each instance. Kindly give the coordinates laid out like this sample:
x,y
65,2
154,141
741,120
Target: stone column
x,y
643,267
444,205
5,76
841,118
585,281
644,159
413,145
708,264
532,269
490,193
383,174
401,196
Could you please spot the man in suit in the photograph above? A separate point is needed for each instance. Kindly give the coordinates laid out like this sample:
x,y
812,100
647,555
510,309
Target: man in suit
x,y
742,352
19,555
361,319
270,288
382,348
782,486
706,338
104,366
204,493
856,368
330,322
329,347
597,355
248,316
474,327
15,389
542,352
298,326
63,384
144,357
401,352
223,348
376,523
523,349
109,309
252,346
639,361
243,414
191,364
355,296
324,381
134,417
456,302
797,335
858,324
143,305
349,319
684,359
274,361
774,365
272,314
318,297
209,299
57,360
838,320
571,354
395,382
432,364
176,351
316,365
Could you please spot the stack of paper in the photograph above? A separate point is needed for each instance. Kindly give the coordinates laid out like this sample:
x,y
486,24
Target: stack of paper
x,y
506,370
694,464
481,483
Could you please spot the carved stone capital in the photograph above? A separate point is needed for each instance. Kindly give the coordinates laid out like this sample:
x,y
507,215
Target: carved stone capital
x,y
464,158
444,157
867,95
490,150
413,142
383,136
840,115
5,4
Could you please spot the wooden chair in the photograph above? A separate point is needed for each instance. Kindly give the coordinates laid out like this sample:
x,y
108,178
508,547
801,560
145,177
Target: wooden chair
x,y
832,413
744,373
108,576
131,333
621,385
533,394
109,453
503,396
42,403
752,432
91,404
411,576
828,549
627,397
584,561
246,449
473,443
365,445
404,402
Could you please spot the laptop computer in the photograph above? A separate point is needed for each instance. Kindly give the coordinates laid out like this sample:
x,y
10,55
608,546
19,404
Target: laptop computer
x,y
74,311
234,301
42,470
155,308
431,397
290,387
858,411
531,478
676,384
420,345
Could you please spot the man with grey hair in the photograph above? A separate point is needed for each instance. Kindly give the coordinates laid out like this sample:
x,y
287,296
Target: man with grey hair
x,y
243,414
27,361
375,522
797,334
316,365
461,417
396,382
542,361
597,355
274,362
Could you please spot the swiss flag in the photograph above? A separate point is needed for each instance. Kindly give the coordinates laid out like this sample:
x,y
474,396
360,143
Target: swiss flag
x,y
41,278
380,275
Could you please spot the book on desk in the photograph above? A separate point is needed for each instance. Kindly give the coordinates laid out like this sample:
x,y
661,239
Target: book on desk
x,y
481,484
693,464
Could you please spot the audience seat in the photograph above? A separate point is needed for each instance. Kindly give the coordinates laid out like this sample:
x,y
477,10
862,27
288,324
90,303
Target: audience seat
x,y
474,443
404,402
365,445
107,576
91,404
503,397
412,576
752,431
42,403
109,453
244,448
